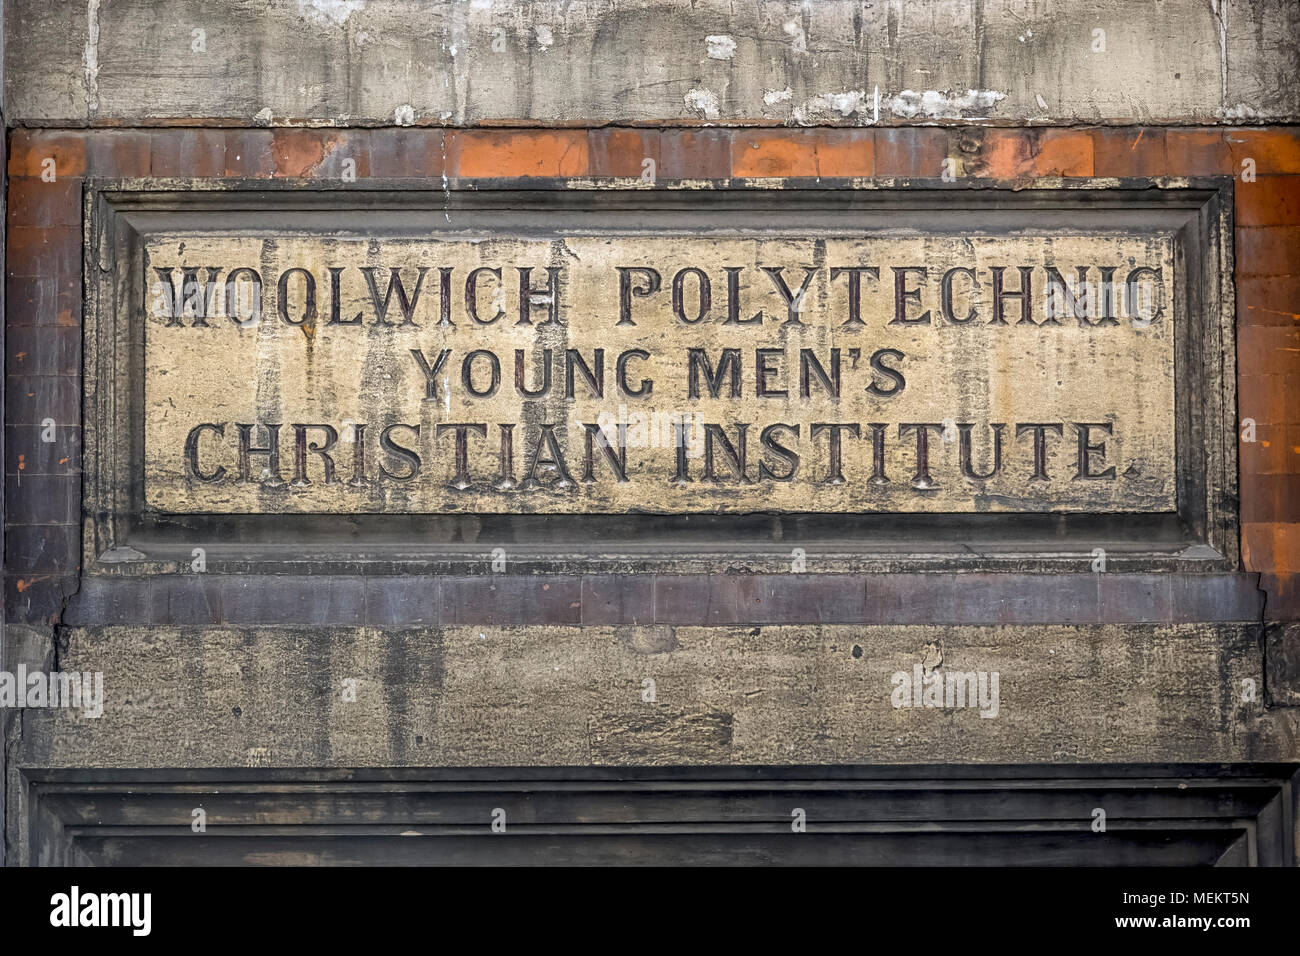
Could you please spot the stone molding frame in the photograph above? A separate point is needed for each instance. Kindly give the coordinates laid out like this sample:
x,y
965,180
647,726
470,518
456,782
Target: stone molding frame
x,y
1172,814
119,537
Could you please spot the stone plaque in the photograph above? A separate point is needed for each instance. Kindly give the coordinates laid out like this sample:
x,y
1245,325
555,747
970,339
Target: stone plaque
x,y
623,373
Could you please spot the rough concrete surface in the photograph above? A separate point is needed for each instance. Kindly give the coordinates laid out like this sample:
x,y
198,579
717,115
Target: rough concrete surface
x,y
460,62
555,696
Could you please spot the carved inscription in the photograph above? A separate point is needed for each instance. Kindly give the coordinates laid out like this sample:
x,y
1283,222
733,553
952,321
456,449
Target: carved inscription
x,y
625,373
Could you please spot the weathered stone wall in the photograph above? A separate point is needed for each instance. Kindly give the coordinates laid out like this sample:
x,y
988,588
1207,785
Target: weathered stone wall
x,y
572,696
239,668
547,63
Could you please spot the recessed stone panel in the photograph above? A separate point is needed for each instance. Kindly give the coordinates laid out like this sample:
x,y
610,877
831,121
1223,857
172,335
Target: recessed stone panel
x,y
889,374
612,372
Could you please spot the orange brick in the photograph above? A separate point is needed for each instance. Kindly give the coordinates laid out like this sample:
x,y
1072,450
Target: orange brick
x,y
911,151
402,153
1268,398
1257,546
28,151
1016,154
1002,154
1268,350
186,153
1271,453
34,202
846,153
1268,300
1064,153
41,250
622,153
349,155
118,153
1270,498
1197,152
1268,201
695,154
768,153
248,154
1126,152
1286,547
1268,251
491,154
299,153
1275,151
